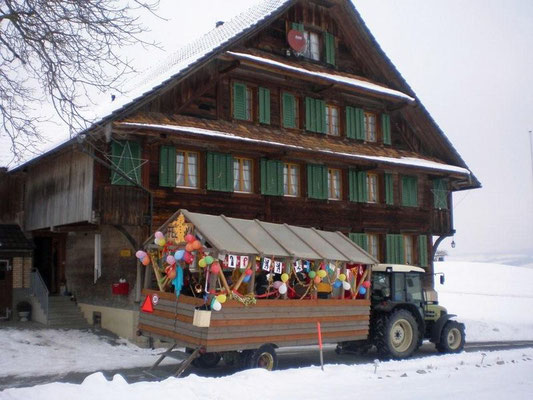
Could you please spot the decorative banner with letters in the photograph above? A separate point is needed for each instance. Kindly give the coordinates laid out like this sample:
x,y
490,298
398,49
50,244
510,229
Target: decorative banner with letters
x,y
267,264
243,262
232,261
278,267
297,265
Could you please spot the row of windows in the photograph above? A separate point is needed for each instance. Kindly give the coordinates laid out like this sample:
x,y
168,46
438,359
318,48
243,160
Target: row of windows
x,y
225,172
400,249
320,116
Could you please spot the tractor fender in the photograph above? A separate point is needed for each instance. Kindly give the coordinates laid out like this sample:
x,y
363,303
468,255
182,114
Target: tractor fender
x,y
437,327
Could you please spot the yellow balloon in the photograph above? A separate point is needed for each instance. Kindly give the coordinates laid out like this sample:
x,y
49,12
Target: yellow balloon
x,y
284,277
221,298
322,273
342,277
202,263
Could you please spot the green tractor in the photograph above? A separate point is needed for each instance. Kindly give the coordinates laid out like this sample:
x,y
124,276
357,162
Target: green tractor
x,y
403,315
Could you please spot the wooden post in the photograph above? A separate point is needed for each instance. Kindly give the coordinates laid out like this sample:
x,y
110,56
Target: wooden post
x,y
224,281
251,284
157,273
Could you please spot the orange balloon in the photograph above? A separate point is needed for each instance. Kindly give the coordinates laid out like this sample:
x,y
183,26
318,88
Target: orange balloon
x,y
146,260
189,247
171,274
196,245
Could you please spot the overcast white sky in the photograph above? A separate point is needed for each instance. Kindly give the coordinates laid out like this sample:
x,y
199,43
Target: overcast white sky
x,y
471,65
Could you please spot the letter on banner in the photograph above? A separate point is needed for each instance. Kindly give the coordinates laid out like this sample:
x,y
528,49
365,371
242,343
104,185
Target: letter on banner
x,y
278,267
297,264
232,261
244,261
267,263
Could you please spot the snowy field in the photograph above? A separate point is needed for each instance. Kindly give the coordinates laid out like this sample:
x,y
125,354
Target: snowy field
x,y
491,299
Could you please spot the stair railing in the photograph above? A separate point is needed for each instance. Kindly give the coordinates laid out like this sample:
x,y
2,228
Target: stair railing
x,y
39,290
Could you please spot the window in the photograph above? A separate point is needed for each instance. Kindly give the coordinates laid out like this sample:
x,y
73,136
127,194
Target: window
x,y
312,49
291,180
186,169
334,184
372,188
370,127
242,175
360,239
219,172
373,245
440,194
290,111
242,102
126,158
408,249
332,120
315,115
409,191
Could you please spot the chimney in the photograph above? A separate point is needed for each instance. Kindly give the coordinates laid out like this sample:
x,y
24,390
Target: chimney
x,y
219,23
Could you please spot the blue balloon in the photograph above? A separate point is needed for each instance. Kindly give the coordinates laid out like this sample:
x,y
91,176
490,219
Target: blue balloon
x,y
337,284
246,279
362,290
178,255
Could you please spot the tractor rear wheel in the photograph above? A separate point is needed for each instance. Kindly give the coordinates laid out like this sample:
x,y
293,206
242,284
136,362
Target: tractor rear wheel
x,y
452,338
263,357
396,334
207,360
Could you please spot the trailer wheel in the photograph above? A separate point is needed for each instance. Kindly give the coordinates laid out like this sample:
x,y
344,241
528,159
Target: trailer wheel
x,y
396,334
264,357
452,338
207,360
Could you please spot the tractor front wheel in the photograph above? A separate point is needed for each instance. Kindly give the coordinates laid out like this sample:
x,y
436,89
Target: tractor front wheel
x,y
263,357
396,334
452,338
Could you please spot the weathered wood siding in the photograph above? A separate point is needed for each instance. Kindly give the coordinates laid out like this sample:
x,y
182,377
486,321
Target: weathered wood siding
x,y
237,327
59,191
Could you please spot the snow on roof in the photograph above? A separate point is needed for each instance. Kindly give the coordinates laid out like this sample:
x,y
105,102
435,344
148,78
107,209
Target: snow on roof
x,y
351,81
190,54
405,161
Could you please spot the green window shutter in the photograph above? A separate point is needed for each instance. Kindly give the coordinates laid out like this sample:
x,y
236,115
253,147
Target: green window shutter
x,y
357,186
310,117
352,185
395,250
126,157
297,26
264,105
389,189
271,177
409,191
317,181
289,105
219,172
440,194
167,166
329,45
385,126
423,250
321,116
359,124
360,239
315,115
239,101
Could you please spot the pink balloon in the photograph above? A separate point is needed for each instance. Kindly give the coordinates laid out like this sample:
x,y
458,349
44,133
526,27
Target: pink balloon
x,y
171,260
140,254
215,268
159,235
277,284
189,238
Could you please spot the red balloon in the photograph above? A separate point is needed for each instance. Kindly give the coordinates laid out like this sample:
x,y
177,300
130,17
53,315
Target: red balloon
x,y
215,268
248,272
366,284
189,238
188,257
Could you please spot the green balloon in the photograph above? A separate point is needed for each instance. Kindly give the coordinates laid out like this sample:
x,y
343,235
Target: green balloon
x,y
209,260
312,274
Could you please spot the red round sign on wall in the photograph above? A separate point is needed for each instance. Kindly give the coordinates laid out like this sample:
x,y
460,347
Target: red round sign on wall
x,y
296,40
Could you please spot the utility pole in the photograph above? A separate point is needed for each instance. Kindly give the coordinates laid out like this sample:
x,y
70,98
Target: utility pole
x,y
531,152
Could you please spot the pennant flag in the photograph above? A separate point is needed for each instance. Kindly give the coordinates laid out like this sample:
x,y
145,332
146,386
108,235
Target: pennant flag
x,y
147,305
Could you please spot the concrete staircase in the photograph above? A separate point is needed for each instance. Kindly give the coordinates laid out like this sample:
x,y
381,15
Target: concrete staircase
x,y
65,314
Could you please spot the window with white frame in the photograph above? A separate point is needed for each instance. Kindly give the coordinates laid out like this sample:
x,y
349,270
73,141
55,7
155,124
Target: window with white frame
x,y
408,249
373,245
372,187
334,184
242,175
332,120
291,179
186,169
370,127
312,48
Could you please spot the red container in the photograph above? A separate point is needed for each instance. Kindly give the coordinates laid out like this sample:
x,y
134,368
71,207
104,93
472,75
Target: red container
x,y
121,288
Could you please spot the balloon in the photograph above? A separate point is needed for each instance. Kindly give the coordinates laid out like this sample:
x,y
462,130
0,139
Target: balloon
x,y
196,245
366,284
318,279
188,257
171,260
337,284
202,263
277,284
215,268
221,298
178,255
312,274
189,238
322,273
171,274
342,277
346,285
140,254
189,248
215,305
284,277
160,242
362,290
248,272
282,289
159,235
246,279
146,260
209,260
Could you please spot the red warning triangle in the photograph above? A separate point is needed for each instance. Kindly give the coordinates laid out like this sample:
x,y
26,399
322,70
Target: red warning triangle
x,y
147,305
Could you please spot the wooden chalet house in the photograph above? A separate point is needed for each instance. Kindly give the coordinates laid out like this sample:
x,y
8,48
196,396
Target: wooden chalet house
x,y
288,113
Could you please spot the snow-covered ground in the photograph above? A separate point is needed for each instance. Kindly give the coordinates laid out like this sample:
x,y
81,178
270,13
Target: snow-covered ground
x,y
493,300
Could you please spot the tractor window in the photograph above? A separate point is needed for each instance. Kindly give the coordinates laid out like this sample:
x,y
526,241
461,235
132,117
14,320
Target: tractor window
x,y
413,287
399,287
380,286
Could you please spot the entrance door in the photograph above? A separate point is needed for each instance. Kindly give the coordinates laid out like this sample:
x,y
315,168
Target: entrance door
x,y
6,287
49,260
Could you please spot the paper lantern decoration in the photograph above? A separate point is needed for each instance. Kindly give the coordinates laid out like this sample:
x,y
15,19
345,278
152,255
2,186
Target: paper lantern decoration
x,y
202,263
322,273
284,277
342,277
171,260
215,268
209,260
178,255
312,274
221,298
366,284
146,260
346,285
159,235
189,238
282,289
362,290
